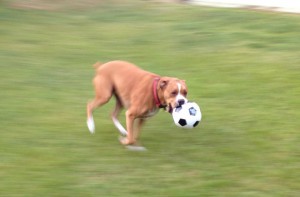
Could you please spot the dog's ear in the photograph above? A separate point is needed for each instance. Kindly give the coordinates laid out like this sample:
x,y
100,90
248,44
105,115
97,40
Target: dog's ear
x,y
163,83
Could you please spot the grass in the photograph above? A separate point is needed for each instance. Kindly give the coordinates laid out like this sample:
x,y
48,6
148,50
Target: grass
x,y
241,66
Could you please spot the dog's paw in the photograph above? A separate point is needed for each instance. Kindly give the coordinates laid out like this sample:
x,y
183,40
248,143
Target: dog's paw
x,y
119,126
124,140
135,148
131,146
91,125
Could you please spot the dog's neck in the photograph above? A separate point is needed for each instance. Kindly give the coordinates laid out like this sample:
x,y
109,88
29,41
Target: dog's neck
x,y
155,94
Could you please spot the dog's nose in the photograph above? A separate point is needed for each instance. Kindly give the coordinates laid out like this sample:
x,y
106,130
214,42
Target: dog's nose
x,y
181,102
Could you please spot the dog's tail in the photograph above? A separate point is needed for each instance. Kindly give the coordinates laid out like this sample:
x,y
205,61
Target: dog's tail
x,y
97,65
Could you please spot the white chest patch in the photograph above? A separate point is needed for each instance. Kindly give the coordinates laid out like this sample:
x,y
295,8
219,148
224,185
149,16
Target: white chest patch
x,y
150,113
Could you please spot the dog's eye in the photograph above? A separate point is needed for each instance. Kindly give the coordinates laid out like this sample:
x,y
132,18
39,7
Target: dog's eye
x,y
174,93
184,93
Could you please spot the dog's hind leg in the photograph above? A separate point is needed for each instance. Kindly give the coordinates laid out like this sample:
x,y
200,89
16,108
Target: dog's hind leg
x,y
114,117
103,92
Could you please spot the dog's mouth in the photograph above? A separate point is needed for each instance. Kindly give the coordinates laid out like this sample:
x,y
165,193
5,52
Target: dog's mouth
x,y
169,108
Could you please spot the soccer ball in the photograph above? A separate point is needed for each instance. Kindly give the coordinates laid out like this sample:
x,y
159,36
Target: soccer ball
x,y
187,115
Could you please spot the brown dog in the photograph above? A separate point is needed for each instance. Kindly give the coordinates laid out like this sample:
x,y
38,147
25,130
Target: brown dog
x,y
140,92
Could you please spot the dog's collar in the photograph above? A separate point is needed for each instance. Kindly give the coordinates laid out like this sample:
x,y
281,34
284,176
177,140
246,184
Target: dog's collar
x,y
156,99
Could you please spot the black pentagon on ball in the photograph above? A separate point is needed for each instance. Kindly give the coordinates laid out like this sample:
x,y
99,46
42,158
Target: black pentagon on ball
x,y
182,122
196,123
192,111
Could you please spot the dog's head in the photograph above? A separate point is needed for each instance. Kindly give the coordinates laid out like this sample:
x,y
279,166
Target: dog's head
x,y
172,92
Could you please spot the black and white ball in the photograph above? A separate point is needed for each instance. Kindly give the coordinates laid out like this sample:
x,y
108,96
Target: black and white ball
x,y
187,115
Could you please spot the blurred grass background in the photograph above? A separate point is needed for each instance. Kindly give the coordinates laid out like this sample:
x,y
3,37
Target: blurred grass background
x,y
241,66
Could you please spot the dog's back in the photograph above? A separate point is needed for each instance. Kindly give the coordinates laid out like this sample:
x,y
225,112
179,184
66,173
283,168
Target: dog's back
x,y
122,74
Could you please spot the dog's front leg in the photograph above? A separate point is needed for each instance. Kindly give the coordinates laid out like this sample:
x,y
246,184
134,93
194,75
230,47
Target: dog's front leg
x,y
138,128
129,123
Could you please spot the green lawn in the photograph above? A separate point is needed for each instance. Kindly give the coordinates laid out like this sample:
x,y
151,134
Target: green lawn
x,y
241,66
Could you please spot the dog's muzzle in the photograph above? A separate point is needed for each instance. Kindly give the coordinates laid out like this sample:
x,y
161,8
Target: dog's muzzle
x,y
180,102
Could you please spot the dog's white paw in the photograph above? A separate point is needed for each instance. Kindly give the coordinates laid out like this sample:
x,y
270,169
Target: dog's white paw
x,y
91,125
136,148
119,126
132,147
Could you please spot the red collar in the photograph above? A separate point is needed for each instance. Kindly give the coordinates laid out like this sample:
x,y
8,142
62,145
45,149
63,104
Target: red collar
x,y
154,88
